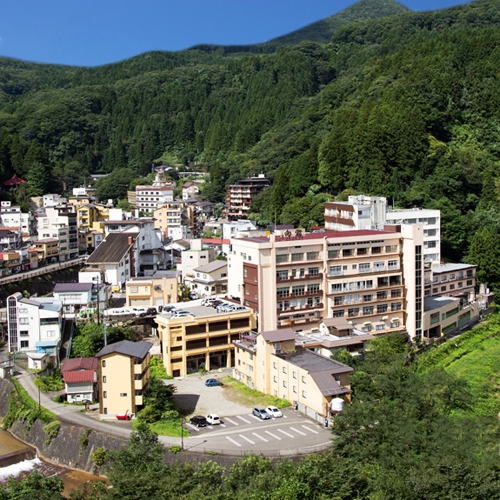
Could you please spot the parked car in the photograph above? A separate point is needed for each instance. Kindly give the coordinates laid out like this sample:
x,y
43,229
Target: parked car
x,y
139,311
261,413
213,419
212,382
274,412
151,311
198,420
237,307
216,303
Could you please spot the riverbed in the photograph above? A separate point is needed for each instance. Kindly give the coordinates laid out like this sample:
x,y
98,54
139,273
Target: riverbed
x,y
11,447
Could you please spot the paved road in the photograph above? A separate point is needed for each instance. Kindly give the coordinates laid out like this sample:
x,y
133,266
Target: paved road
x,y
240,433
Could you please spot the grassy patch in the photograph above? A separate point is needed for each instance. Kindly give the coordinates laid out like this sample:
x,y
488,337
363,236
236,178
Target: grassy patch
x,y
474,357
166,428
157,369
53,382
240,393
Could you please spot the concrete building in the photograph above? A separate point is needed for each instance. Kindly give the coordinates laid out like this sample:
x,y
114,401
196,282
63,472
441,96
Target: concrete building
x,y
12,217
34,325
454,280
190,190
239,196
123,374
75,296
196,256
158,289
209,279
148,198
204,340
170,218
271,363
364,276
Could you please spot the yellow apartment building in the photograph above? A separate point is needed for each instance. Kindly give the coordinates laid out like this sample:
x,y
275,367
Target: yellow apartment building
x,y
47,249
202,340
271,363
123,371
159,289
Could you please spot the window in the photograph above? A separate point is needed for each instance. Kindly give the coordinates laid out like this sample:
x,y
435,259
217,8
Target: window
x,y
339,313
23,310
275,378
303,379
362,251
314,288
394,324
24,333
23,321
364,268
390,248
284,383
353,312
376,250
25,344
381,295
347,252
333,254
382,308
338,301
294,374
313,271
282,275
335,270
123,394
304,394
295,389
104,394
275,365
104,379
396,306
297,257
103,363
312,255
368,310
281,258
284,369
283,292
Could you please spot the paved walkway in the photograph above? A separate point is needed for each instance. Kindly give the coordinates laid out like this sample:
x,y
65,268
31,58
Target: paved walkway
x,y
75,416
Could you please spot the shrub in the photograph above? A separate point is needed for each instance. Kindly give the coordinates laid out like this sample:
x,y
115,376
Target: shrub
x,y
157,369
52,429
175,448
84,438
99,456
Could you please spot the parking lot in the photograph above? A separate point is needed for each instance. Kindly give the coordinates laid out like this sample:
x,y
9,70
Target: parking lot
x,y
240,430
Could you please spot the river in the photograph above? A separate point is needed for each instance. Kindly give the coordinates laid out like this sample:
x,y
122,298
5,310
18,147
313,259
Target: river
x,y
10,447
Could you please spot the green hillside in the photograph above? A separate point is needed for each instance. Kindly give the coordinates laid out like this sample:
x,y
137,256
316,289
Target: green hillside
x,y
473,356
406,106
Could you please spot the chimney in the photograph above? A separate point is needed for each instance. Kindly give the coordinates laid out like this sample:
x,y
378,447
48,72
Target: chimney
x,y
130,240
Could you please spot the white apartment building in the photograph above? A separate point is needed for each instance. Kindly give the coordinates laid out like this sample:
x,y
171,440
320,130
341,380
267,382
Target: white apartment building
x,y
373,279
12,217
195,257
34,325
148,198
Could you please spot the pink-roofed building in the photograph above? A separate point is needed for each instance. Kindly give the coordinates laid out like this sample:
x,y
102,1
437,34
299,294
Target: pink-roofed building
x,y
80,379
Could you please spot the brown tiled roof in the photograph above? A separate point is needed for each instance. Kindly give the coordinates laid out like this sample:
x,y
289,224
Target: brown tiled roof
x,y
112,249
79,364
278,335
338,323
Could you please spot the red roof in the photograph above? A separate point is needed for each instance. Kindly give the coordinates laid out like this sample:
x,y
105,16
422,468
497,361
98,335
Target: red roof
x,y
13,181
79,376
215,241
79,364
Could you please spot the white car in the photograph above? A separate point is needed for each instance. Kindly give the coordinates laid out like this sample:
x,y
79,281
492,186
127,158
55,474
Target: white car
x,y
274,412
213,419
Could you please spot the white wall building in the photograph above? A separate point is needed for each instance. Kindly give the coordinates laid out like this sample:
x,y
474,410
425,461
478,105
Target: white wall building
x,y
34,324
12,217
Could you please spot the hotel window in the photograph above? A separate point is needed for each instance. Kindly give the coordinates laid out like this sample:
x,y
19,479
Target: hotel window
x,y
312,255
104,394
338,301
104,379
382,308
304,394
282,258
362,251
390,248
364,268
353,312
297,256
335,270
294,374
295,389
303,379
284,369
23,321
376,250
275,365
394,324
123,394
368,310
333,254
339,313
381,295
282,275
313,271
25,344
284,383
347,252
397,306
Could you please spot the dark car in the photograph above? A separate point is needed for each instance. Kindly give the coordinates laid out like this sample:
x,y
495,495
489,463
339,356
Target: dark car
x,y
198,420
211,382
151,311
261,413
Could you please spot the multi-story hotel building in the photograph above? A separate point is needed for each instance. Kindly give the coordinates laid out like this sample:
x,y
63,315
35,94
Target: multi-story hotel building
x,y
148,198
371,278
240,195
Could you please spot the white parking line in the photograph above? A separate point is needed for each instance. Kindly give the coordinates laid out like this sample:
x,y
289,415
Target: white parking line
x,y
244,419
260,437
246,439
222,425
310,430
285,433
297,431
233,441
273,435
231,421
253,416
193,427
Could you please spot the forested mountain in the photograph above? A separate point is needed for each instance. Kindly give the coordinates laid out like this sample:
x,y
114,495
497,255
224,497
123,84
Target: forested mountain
x,y
406,106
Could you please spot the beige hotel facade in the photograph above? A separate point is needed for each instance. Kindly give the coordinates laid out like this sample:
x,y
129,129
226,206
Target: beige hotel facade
x,y
373,279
